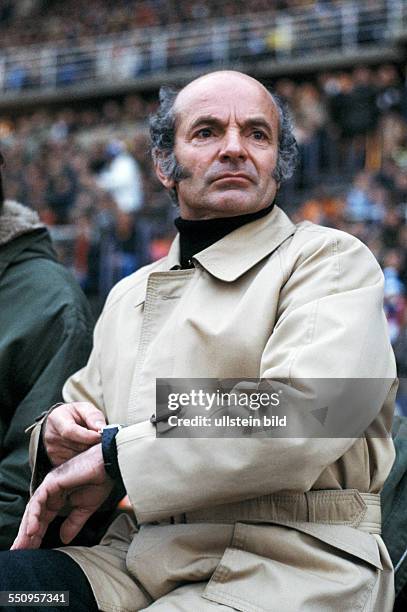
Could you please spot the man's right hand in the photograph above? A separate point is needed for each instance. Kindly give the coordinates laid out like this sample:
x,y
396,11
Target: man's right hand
x,y
81,485
71,429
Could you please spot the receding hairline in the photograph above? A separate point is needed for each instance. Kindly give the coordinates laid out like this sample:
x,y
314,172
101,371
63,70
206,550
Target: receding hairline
x,y
219,73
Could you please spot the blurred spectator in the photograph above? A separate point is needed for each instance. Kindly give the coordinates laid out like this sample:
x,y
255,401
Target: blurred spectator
x,y
355,113
359,206
389,89
310,121
400,352
120,176
394,302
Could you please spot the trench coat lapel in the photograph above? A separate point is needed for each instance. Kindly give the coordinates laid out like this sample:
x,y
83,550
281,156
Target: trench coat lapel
x,y
232,256
237,252
229,258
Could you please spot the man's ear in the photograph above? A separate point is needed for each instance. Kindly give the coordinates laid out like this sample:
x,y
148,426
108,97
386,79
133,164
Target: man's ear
x,y
168,183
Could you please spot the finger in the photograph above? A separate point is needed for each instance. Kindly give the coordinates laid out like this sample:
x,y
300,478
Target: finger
x,y
84,469
37,516
81,414
33,520
45,504
29,543
47,501
78,447
90,496
91,416
68,448
67,431
35,542
22,540
61,451
74,523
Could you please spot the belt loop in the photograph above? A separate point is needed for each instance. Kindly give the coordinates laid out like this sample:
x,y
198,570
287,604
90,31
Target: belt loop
x,y
362,508
310,508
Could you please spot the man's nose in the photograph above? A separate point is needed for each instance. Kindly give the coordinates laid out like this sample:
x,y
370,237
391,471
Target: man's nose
x,y
232,146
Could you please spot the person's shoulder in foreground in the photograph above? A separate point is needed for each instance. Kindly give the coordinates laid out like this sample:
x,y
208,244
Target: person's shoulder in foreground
x,y
46,331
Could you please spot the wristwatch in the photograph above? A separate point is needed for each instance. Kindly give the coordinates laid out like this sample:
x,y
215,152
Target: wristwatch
x,y
109,450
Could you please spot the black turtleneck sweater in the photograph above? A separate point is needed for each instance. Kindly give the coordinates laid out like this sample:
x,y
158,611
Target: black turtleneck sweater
x,y
195,236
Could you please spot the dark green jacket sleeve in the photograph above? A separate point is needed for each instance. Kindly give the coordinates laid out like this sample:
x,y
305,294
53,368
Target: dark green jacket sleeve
x,y
394,506
35,364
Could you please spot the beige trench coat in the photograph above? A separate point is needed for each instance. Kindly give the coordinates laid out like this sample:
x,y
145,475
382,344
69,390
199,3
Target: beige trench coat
x,y
270,300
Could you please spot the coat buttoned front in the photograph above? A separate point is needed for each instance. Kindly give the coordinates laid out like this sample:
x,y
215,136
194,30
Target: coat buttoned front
x,y
269,300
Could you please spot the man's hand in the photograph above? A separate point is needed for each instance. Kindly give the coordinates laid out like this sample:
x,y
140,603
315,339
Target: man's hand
x,y
81,482
71,429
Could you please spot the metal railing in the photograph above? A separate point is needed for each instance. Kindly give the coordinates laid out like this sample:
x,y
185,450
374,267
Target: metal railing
x,y
277,37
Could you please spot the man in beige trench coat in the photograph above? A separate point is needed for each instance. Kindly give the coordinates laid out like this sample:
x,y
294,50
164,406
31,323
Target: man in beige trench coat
x,y
252,524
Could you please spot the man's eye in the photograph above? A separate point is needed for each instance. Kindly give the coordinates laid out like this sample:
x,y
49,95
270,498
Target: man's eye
x,y
204,133
259,135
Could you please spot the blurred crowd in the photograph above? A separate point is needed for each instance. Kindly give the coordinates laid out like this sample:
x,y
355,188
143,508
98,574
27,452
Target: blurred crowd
x,y
38,21
52,45
88,173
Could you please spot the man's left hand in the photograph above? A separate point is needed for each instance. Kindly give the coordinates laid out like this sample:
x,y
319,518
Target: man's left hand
x,y
81,482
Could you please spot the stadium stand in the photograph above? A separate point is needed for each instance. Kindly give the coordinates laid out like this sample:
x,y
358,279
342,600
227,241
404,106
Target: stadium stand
x,y
84,48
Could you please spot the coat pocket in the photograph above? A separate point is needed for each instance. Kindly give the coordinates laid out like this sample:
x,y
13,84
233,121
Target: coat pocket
x,y
162,557
296,567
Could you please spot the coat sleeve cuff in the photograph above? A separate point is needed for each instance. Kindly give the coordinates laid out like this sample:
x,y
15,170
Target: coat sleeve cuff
x,y
131,468
39,460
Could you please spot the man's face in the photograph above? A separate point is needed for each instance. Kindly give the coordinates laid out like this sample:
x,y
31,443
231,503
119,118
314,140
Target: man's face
x,y
226,140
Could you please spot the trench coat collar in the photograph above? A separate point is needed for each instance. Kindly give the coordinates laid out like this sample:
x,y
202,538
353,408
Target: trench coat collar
x,y
237,252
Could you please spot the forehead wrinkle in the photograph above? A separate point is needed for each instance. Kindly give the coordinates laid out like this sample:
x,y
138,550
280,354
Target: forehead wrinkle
x,y
218,121
210,109
205,99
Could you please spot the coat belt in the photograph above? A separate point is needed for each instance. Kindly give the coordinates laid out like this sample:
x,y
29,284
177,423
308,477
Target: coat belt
x,y
330,507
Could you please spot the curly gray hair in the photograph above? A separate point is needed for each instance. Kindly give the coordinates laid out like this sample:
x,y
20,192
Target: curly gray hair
x,y
162,133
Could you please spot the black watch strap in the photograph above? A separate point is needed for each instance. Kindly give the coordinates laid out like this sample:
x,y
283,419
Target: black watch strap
x,y
109,450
